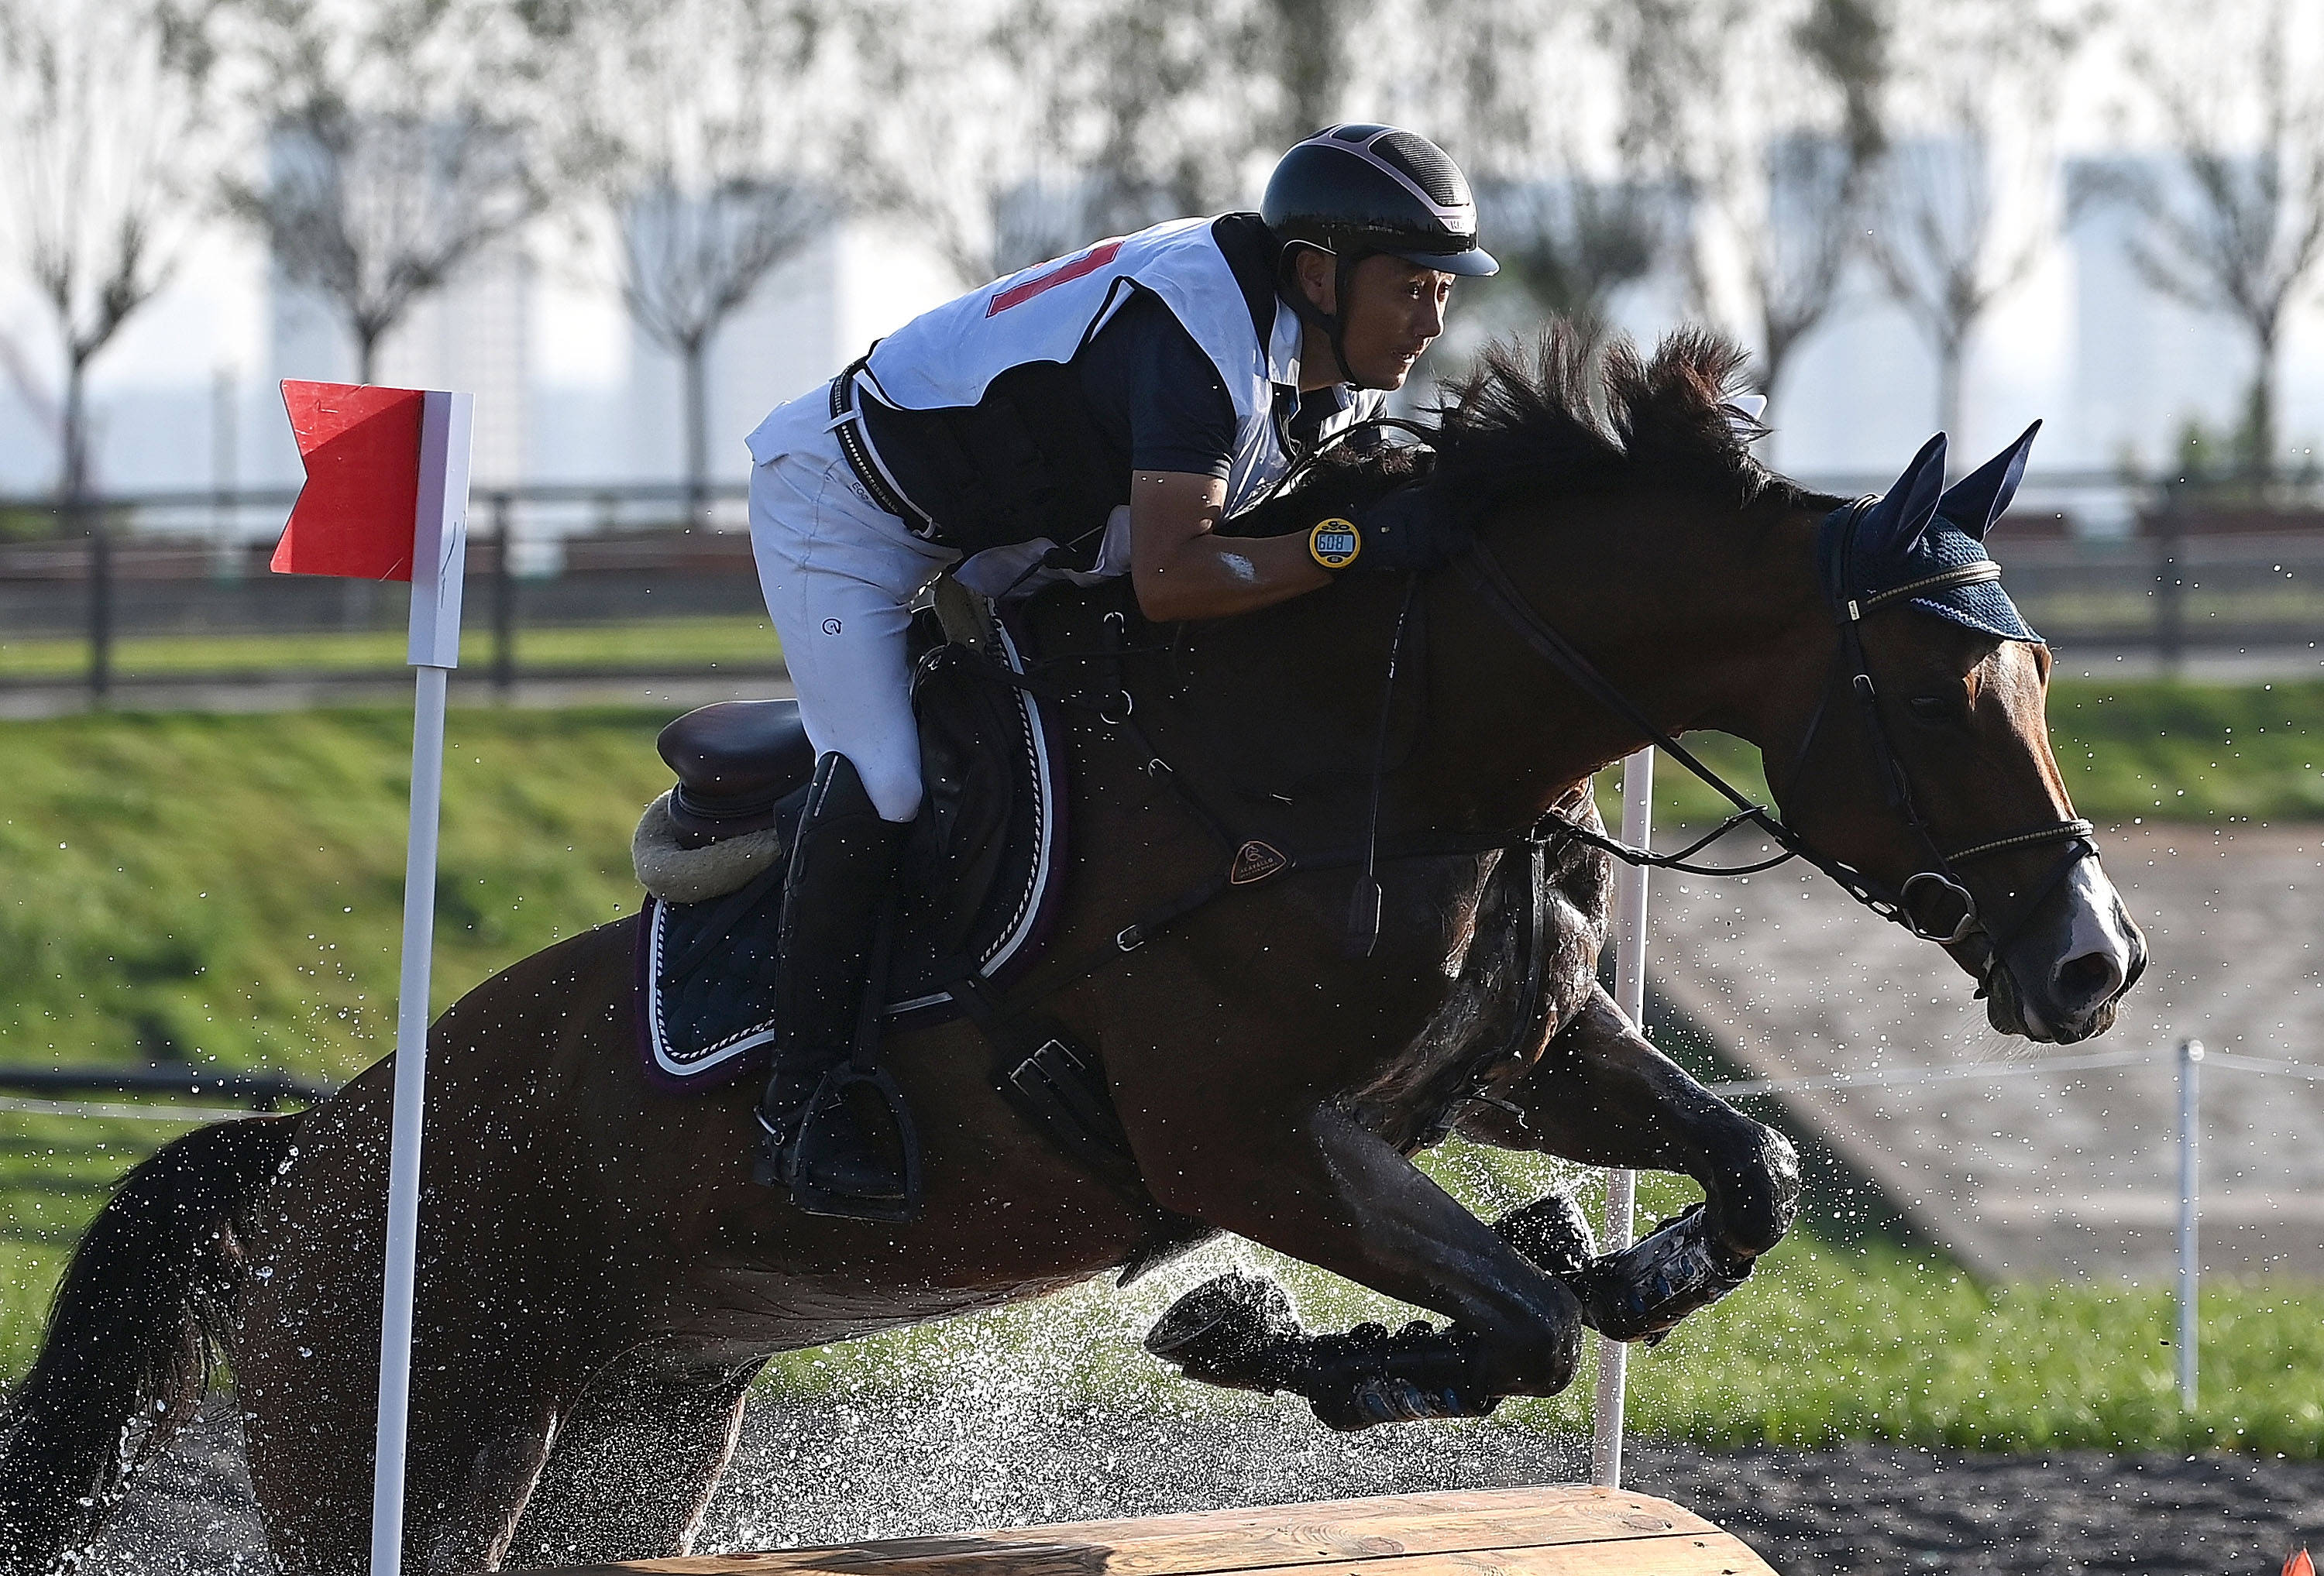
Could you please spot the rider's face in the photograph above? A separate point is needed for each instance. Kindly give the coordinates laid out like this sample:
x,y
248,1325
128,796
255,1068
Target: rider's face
x,y
1395,311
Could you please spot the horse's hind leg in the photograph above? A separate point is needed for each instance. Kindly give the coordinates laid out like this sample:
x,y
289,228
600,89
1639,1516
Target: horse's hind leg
x,y
634,1465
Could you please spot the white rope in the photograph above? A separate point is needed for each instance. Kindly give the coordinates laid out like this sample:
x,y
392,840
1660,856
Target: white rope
x,y
135,1113
2263,1065
1937,1076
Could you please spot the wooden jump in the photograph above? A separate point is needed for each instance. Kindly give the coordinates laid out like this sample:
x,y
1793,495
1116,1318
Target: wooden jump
x,y
1502,1532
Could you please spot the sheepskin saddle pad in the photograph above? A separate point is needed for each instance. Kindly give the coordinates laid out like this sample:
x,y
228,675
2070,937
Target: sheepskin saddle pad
x,y
979,879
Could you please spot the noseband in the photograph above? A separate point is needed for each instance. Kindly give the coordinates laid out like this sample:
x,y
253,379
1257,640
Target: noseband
x,y
1947,912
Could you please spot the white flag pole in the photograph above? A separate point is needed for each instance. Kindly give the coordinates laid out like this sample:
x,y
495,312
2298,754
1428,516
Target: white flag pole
x,y
1622,1187
439,550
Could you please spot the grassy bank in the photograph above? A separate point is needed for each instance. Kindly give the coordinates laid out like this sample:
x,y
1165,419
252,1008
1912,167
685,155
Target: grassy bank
x,y
674,643
228,886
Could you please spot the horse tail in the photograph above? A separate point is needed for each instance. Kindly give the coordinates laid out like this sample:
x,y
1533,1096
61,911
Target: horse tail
x,y
127,1352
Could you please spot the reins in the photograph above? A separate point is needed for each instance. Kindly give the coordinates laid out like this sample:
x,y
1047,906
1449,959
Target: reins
x,y
1492,586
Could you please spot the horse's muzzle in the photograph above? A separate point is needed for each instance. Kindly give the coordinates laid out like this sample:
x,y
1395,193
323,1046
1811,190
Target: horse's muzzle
x,y
2063,981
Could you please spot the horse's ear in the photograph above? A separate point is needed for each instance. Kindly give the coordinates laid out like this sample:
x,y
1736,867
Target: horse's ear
x,y
1978,499
1905,510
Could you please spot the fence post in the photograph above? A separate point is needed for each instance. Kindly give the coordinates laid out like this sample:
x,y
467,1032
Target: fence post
x,y
504,596
1611,1402
2171,582
2190,1061
90,516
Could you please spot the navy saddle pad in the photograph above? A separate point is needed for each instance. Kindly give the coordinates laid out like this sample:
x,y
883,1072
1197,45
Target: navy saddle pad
x,y
980,877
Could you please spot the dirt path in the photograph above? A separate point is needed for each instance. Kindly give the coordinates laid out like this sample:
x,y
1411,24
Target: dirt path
x,y
834,1473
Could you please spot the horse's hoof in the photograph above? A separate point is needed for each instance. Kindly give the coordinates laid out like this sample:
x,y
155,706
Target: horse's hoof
x,y
1641,1293
1552,1233
1231,1330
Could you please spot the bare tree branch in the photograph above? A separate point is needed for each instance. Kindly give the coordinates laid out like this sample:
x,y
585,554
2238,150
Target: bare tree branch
x,y
2234,221
106,119
1769,116
713,170
1961,212
400,146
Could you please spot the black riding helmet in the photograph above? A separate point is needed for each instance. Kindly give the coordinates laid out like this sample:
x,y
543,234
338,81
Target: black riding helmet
x,y
1354,190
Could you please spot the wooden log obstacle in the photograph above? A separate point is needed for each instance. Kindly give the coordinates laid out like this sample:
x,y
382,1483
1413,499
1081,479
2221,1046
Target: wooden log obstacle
x,y
1502,1532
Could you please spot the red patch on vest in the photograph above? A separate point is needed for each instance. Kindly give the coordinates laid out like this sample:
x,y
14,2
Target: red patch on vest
x,y
1088,262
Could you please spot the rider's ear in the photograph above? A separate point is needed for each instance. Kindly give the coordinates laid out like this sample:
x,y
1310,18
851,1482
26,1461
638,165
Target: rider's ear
x,y
1978,499
1905,510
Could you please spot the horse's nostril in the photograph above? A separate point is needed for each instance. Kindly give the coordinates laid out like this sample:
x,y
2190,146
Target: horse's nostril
x,y
2094,976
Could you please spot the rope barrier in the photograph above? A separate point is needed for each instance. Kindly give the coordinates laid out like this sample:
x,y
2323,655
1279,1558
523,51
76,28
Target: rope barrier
x,y
2243,1064
185,1114
1739,1086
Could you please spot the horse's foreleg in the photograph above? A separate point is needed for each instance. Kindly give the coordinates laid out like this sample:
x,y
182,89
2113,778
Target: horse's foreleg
x,y
1317,1186
1603,1095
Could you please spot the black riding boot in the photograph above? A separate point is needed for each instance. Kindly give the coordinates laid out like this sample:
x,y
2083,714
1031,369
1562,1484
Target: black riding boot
x,y
833,1132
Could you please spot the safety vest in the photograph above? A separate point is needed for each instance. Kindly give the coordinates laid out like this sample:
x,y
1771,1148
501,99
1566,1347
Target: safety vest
x,y
1216,276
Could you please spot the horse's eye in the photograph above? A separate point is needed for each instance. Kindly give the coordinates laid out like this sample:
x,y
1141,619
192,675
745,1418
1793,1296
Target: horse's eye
x,y
1932,708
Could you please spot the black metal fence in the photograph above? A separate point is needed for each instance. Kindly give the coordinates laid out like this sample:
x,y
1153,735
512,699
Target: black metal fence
x,y
2098,562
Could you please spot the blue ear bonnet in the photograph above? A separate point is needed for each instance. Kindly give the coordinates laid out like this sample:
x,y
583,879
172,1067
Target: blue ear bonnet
x,y
1871,550
1984,606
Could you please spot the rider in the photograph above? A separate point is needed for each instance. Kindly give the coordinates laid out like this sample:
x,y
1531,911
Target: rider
x,y
1099,415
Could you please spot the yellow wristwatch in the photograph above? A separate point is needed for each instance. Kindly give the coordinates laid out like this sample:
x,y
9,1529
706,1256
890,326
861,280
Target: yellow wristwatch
x,y
1334,543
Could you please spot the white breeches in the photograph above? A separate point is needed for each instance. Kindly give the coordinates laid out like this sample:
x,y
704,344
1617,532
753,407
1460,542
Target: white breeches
x,y
839,574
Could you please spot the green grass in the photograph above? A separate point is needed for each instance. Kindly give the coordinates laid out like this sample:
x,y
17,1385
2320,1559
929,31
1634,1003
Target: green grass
x,y
678,643
2148,749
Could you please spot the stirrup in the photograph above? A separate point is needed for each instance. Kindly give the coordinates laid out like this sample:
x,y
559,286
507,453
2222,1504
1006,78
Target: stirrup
x,y
816,1148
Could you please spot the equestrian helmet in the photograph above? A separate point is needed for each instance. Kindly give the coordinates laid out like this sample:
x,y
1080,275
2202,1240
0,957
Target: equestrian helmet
x,y
1353,191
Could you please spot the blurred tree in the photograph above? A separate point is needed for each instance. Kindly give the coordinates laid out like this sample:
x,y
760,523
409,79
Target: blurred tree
x,y
1960,210
2234,219
402,141
110,134
1766,116
712,167
964,128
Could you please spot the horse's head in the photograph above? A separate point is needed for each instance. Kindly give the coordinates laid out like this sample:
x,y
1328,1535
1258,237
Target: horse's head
x,y
1922,763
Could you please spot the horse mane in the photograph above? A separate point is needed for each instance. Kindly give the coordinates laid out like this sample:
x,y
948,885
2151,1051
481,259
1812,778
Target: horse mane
x,y
1580,411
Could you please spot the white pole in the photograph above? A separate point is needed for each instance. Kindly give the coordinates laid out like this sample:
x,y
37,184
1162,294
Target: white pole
x,y
2190,1061
440,555
1622,1187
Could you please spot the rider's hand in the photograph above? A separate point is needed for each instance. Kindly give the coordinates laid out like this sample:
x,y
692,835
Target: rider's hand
x,y
1404,530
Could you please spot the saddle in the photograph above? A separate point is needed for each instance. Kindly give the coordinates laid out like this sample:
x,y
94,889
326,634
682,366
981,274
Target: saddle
x,y
979,877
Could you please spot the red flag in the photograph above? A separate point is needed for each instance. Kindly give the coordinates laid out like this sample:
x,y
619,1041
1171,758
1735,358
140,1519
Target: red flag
x,y
2300,1564
361,448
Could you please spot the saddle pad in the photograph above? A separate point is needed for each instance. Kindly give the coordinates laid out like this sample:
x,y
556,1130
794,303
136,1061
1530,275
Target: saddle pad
x,y
980,879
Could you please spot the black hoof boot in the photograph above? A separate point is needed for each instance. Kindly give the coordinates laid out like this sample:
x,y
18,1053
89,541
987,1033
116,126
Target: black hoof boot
x,y
1239,1332
1641,1293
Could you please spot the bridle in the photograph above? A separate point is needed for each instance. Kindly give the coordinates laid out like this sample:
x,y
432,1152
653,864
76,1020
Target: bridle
x,y
1933,903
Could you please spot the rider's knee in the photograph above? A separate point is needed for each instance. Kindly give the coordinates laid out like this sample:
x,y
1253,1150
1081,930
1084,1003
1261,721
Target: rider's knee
x,y
894,790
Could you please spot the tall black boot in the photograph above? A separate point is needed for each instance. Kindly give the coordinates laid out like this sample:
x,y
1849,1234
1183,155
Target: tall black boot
x,y
832,1131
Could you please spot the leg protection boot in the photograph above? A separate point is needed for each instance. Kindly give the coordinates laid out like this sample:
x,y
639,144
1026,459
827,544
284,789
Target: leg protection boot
x,y
834,1131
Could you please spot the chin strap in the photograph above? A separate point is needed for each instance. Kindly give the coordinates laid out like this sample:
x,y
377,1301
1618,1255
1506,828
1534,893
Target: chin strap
x,y
1335,325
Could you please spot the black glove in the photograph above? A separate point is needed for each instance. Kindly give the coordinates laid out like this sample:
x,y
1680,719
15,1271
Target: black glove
x,y
1403,530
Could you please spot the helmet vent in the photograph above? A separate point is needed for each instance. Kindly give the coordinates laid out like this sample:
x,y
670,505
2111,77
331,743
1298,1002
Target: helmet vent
x,y
1427,166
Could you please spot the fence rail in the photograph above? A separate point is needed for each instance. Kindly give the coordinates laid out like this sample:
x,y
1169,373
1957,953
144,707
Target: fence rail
x,y
2096,561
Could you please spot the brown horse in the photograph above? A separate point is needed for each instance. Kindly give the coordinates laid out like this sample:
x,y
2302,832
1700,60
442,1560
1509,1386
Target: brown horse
x,y
600,1279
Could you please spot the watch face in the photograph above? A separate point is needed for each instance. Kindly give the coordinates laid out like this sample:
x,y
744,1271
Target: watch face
x,y
1334,543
